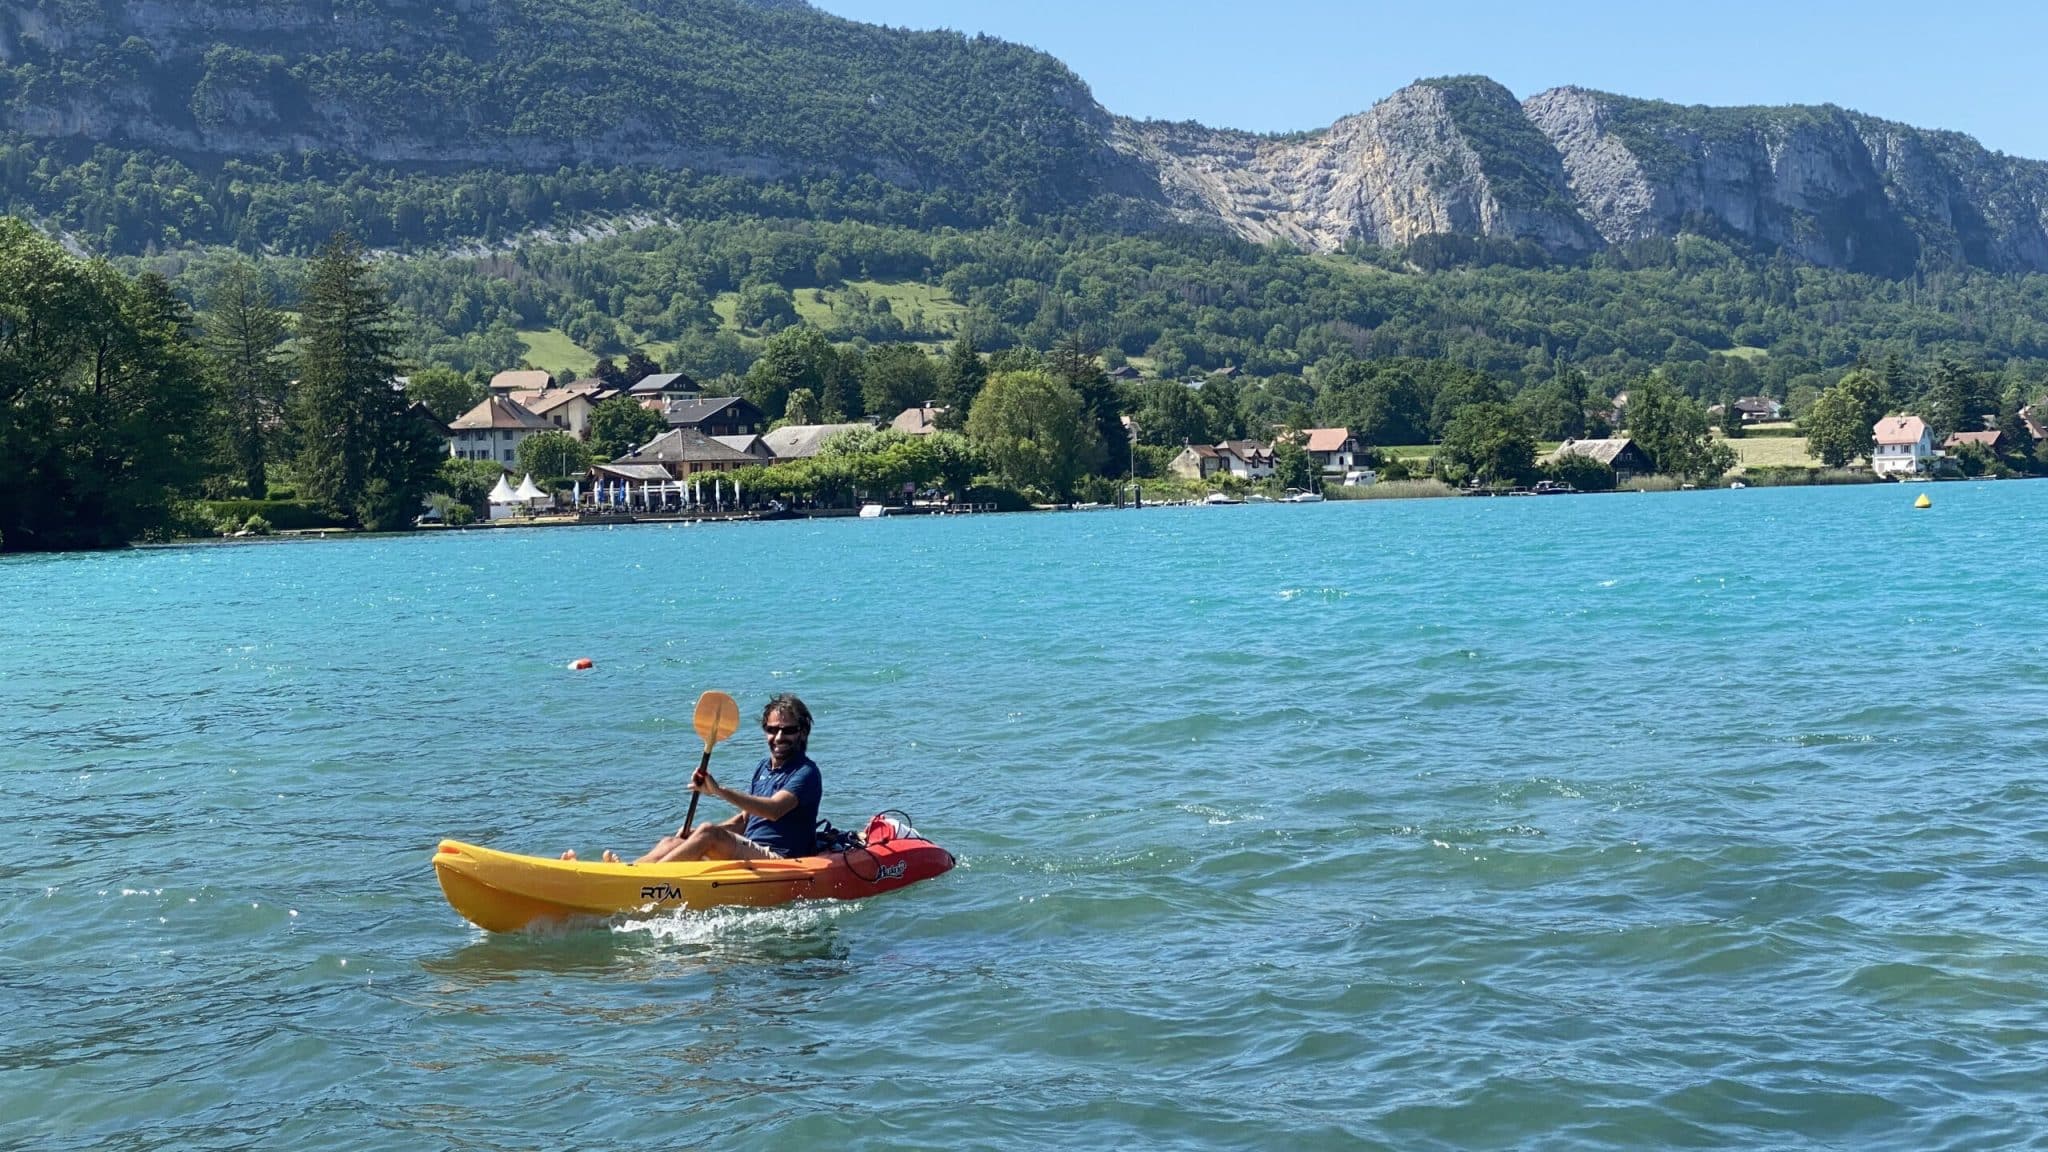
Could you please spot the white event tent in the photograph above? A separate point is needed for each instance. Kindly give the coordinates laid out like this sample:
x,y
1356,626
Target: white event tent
x,y
530,494
504,501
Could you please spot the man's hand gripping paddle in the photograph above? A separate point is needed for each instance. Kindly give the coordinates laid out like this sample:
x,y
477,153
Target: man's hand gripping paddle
x,y
718,716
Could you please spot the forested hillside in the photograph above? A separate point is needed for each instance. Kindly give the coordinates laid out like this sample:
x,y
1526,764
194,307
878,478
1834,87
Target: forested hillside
x,y
1716,322
144,123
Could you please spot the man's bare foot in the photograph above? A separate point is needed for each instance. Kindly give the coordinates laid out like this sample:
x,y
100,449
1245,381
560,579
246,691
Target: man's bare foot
x,y
611,857
569,855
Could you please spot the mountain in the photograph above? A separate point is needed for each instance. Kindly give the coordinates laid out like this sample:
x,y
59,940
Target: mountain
x,y
137,123
1573,170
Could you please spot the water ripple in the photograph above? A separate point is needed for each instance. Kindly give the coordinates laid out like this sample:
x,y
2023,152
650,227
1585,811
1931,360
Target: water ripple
x,y
1609,823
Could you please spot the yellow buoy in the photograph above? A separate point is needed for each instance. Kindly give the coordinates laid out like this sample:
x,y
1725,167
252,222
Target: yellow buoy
x,y
1923,502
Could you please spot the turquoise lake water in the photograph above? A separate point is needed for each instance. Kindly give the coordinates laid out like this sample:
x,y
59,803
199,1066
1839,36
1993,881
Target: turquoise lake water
x,y
1703,820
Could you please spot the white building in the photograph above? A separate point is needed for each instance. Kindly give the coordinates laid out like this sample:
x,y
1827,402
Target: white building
x,y
1244,459
1905,446
1247,459
493,431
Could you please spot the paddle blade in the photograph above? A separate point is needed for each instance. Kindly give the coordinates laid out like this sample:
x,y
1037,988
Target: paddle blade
x,y
718,716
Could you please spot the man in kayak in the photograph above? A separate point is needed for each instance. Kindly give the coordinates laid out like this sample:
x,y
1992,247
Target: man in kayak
x,y
778,814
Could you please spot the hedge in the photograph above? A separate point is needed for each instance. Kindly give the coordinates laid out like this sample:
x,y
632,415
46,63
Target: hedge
x,y
282,515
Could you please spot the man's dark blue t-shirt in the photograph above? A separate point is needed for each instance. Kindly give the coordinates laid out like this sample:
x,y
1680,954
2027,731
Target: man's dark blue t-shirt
x,y
796,834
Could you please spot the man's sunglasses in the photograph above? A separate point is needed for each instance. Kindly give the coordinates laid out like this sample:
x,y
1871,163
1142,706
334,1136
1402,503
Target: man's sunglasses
x,y
782,729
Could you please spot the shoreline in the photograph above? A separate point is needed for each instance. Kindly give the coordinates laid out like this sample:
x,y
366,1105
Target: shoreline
x,y
585,521
638,520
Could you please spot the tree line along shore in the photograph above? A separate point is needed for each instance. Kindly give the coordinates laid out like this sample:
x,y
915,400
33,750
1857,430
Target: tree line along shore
x,y
131,411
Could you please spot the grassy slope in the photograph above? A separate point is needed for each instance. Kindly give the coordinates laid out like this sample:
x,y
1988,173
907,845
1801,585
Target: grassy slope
x,y
904,296
552,350
1772,452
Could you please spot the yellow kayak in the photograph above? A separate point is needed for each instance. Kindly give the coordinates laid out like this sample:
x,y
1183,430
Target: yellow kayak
x,y
505,892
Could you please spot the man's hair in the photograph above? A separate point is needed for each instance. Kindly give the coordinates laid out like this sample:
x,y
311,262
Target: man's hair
x,y
790,704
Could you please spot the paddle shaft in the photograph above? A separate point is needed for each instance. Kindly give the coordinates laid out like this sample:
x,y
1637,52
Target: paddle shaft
x,y
703,765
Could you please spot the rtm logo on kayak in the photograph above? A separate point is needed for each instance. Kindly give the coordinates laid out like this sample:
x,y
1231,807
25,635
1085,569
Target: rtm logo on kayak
x,y
892,871
661,892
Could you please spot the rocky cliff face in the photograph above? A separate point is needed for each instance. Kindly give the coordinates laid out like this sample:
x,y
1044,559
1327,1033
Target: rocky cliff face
x,y
1572,169
1403,170
1796,179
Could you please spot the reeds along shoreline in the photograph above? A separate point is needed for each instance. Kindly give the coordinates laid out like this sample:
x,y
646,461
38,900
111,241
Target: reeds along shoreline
x,y
1392,490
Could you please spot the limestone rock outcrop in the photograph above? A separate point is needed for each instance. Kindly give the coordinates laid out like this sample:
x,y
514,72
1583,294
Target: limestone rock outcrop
x,y
1572,170
1403,170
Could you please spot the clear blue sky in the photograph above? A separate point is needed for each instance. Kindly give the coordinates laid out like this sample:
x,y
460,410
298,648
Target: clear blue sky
x,y
1285,65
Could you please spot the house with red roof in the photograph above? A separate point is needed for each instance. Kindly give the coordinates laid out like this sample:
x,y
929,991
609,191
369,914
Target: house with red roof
x,y
1989,440
1333,449
1905,446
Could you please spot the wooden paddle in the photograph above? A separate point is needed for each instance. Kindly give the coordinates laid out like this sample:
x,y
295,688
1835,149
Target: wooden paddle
x,y
718,716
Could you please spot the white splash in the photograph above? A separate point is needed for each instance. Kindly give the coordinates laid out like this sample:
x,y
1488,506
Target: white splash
x,y
736,925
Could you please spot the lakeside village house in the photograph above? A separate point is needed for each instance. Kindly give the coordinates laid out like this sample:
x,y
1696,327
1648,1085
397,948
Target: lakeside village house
x,y
1334,451
1752,409
1244,459
706,434
1905,446
1620,453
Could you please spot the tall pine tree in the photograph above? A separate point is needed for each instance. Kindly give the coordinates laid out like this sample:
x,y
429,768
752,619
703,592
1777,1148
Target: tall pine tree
x,y
1948,398
244,337
361,454
1074,363
1899,385
960,380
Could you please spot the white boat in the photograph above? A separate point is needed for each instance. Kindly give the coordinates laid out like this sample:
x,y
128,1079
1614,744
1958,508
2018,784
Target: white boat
x,y
1258,498
1297,496
1222,498
873,511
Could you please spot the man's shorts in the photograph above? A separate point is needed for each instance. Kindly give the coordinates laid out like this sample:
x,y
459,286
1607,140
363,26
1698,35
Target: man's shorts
x,y
766,852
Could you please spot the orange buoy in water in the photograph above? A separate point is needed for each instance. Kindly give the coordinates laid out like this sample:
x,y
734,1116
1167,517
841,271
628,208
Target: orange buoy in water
x,y
583,665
